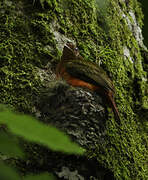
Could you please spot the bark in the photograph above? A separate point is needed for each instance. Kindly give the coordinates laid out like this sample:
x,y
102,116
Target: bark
x,y
32,37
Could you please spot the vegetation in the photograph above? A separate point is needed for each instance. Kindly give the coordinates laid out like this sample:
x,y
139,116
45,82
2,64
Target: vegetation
x,y
36,132
29,43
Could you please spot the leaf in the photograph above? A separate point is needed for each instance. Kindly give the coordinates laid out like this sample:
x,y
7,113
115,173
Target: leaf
x,y
35,131
43,176
9,146
8,173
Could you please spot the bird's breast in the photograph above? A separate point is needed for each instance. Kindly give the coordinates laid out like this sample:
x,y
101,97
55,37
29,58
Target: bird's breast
x,y
76,82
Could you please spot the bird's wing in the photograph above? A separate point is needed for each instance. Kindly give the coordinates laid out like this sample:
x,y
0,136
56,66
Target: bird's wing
x,y
90,73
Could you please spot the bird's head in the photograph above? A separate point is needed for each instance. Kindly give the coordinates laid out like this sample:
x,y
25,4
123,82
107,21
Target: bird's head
x,y
70,52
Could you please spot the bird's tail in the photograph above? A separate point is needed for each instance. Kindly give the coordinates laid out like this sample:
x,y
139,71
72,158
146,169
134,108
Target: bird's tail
x,y
114,107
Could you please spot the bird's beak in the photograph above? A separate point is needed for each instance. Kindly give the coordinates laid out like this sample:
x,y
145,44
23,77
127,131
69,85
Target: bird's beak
x,y
68,47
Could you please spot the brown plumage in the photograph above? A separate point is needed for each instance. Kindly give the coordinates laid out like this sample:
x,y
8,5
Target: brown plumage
x,y
80,73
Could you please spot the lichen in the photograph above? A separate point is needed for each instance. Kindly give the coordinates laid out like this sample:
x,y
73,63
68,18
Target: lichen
x,y
26,32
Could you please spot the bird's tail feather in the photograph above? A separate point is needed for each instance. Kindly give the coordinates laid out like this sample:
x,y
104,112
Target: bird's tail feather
x,y
114,107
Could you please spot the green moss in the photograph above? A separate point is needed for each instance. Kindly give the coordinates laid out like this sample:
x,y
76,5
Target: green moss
x,y
22,48
25,34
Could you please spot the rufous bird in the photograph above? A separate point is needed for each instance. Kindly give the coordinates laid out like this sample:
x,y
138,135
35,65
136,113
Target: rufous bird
x,y
81,73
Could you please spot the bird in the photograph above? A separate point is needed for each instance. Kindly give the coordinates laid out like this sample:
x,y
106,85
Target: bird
x,y
78,72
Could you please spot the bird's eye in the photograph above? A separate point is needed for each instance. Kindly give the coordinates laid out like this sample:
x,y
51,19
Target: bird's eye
x,y
76,49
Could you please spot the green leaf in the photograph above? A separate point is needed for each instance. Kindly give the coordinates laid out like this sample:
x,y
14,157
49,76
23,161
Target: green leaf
x,y
8,173
35,131
9,145
43,176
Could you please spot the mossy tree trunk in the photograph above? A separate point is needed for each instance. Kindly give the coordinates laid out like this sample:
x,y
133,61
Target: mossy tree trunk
x,y
32,36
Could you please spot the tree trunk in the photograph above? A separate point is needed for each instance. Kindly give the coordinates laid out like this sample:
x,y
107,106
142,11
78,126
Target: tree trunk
x,y
107,32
